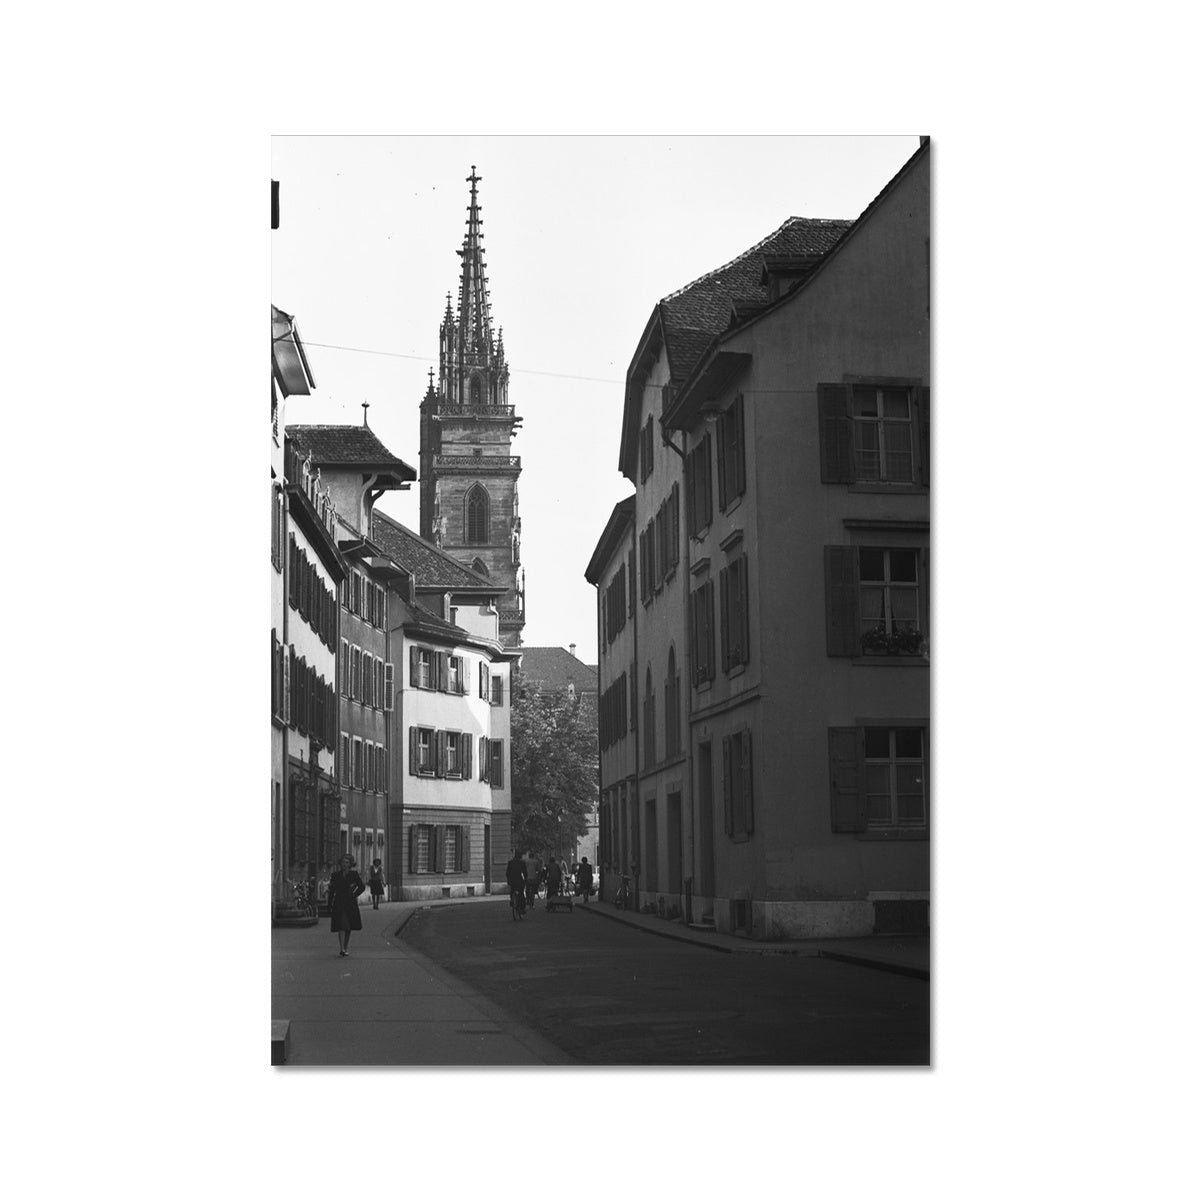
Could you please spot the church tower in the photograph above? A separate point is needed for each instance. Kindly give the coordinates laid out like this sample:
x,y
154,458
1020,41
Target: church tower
x,y
468,471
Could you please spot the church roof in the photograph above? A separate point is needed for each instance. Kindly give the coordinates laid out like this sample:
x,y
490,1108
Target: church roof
x,y
553,668
348,446
429,566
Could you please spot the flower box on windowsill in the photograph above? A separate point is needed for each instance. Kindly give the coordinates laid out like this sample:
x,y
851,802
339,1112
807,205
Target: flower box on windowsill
x,y
907,642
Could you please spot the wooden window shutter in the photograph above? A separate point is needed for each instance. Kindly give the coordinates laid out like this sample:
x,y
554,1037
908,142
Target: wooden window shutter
x,y
439,666
484,757
414,666
923,421
464,847
846,794
724,618
412,750
837,442
721,440
468,763
747,784
439,754
498,762
689,475
926,598
745,602
842,638
412,849
389,686
632,573
727,782
739,448
482,683
437,842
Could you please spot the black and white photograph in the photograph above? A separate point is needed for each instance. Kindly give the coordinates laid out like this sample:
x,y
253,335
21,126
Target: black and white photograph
x,y
601,601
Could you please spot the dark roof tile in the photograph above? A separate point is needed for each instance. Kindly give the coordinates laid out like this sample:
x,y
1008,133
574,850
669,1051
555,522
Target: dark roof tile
x,y
429,566
344,445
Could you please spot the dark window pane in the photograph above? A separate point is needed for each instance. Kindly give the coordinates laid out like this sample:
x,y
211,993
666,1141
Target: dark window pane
x,y
864,402
870,564
895,403
878,745
908,743
904,566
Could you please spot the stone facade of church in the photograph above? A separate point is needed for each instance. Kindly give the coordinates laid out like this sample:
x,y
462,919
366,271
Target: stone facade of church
x,y
468,471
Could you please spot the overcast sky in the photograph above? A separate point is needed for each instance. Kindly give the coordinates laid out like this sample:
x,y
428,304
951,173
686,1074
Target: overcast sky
x,y
582,236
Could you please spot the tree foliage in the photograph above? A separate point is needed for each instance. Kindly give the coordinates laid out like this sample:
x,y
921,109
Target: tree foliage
x,y
555,769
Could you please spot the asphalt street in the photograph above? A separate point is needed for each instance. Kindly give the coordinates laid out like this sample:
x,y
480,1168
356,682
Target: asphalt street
x,y
607,993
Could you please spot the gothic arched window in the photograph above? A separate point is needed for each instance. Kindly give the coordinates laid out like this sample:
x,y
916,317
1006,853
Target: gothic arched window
x,y
475,519
476,390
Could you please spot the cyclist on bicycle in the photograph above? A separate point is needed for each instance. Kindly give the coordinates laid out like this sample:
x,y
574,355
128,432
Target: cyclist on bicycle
x,y
514,875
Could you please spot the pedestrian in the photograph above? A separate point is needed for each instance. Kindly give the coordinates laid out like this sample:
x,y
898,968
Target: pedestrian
x,y
533,873
585,878
345,887
375,882
554,878
514,875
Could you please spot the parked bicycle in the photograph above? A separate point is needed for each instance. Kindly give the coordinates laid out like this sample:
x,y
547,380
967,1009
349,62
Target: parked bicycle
x,y
624,896
306,900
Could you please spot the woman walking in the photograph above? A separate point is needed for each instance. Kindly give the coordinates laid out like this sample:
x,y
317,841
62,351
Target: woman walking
x,y
375,882
345,887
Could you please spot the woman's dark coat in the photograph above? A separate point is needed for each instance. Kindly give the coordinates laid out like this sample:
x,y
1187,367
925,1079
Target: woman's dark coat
x,y
345,887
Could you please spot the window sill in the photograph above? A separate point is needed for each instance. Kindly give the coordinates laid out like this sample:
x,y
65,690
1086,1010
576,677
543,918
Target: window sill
x,y
889,489
703,686
732,503
736,670
893,835
890,660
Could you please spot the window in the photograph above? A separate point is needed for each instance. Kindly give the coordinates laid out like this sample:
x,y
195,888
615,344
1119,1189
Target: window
x,y
485,683
356,673
874,432
344,774
452,763
421,841
614,606
876,601
496,765
735,615
422,667
731,453
436,849
368,679
278,527
878,781
699,487
457,676
632,573
703,650
356,750
345,667
420,750
498,689
476,390
738,785
475,519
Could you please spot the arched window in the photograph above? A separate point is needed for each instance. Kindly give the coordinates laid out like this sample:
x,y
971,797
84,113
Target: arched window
x,y
475,517
476,390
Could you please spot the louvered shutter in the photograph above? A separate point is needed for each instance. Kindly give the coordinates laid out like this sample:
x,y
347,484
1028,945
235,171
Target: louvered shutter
x,y
725,619
842,636
747,784
738,456
745,604
414,667
412,751
484,758
439,667
835,433
468,764
923,421
389,687
412,849
439,754
632,574
464,847
926,595
344,774
846,794
480,684
727,783
721,480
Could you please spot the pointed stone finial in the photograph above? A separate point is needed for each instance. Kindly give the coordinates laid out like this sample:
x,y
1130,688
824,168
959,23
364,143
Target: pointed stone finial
x,y
365,405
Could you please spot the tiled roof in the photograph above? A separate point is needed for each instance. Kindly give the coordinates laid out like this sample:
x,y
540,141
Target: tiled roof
x,y
695,314
429,566
345,445
553,667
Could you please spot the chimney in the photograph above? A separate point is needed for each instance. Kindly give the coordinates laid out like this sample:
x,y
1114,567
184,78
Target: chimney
x,y
572,649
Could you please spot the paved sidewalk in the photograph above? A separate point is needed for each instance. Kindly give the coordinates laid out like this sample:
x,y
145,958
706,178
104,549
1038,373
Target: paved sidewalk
x,y
905,955
385,1004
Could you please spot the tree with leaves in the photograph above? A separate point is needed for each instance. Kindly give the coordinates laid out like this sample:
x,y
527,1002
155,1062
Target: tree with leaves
x,y
555,769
